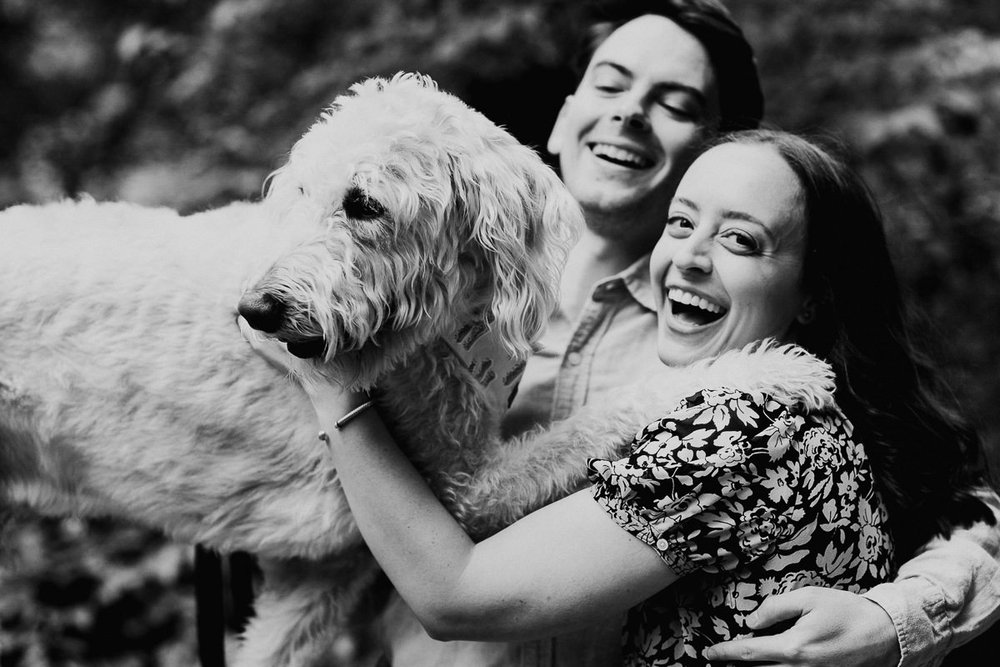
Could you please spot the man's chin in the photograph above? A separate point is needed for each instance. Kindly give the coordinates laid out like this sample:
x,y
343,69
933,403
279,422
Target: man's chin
x,y
621,218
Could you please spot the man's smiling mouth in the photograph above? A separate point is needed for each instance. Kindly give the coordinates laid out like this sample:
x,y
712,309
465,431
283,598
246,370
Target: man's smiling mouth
x,y
693,309
622,157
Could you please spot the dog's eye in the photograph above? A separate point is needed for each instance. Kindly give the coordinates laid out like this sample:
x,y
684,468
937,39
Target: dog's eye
x,y
357,204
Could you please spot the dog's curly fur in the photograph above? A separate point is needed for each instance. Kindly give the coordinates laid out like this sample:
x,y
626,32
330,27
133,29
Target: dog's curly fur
x,y
402,222
126,386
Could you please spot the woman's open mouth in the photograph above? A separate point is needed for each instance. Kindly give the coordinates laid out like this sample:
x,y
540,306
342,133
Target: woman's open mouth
x,y
692,309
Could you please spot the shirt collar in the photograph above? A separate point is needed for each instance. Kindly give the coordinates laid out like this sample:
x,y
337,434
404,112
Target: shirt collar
x,y
636,280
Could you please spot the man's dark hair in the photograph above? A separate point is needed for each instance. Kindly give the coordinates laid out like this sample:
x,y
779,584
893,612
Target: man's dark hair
x,y
741,101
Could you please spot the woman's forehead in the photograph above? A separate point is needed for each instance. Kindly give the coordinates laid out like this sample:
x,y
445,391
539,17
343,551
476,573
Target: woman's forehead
x,y
746,178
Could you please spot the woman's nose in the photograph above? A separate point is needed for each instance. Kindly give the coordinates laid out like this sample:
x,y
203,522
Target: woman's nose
x,y
692,256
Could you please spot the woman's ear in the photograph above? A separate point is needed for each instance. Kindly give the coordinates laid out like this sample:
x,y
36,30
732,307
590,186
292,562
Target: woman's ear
x,y
554,145
808,311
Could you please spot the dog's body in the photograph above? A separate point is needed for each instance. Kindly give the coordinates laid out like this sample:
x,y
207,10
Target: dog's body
x,y
127,388
410,246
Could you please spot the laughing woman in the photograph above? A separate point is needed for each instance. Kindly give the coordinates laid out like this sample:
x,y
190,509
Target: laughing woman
x,y
730,496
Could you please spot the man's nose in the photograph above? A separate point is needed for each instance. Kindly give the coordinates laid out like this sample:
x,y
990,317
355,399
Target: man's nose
x,y
631,114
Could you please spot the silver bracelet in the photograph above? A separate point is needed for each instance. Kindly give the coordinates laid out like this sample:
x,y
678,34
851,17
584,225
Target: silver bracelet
x,y
346,419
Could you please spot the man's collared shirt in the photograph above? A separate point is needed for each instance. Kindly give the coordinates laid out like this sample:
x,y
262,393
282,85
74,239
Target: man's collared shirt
x,y
610,345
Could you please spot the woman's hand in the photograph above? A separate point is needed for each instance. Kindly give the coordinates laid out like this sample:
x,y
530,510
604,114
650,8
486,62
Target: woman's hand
x,y
329,398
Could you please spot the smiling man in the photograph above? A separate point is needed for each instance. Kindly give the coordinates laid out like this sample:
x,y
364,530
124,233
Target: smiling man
x,y
625,136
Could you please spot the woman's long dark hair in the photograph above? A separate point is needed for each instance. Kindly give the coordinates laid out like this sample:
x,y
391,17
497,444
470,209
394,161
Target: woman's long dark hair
x,y
924,454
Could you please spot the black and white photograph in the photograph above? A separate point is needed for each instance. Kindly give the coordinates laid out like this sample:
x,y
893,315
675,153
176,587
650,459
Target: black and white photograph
x,y
528,333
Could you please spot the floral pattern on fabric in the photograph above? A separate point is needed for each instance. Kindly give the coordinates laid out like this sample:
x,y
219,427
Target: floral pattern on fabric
x,y
756,498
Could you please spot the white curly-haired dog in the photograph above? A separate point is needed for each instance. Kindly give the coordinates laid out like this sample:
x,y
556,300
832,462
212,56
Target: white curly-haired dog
x,y
420,248
410,246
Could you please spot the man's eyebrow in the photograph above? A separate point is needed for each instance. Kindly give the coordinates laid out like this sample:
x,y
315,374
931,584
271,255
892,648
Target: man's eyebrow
x,y
687,202
665,86
621,69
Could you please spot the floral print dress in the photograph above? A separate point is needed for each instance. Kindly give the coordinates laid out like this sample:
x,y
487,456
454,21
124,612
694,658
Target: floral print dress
x,y
750,497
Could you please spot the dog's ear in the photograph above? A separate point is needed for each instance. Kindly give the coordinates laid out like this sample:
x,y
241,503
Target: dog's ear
x,y
279,191
525,220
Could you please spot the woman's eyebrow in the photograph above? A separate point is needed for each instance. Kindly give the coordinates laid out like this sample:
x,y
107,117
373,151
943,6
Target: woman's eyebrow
x,y
740,215
728,214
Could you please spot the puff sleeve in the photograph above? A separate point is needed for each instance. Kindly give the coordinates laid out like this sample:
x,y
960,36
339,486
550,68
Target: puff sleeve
x,y
713,485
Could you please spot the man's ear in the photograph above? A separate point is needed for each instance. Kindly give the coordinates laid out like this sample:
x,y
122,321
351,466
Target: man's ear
x,y
555,143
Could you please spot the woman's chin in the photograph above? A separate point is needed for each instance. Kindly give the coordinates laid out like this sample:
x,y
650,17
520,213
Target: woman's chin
x,y
674,354
682,349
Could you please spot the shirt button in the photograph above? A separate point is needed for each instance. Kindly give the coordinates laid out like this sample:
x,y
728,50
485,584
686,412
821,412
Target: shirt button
x,y
574,358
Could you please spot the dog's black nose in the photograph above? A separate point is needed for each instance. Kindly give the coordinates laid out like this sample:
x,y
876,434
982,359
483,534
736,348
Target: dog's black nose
x,y
264,312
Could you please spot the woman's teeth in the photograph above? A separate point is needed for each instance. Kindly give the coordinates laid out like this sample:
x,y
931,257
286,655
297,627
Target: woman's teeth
x,y
693,308
621,156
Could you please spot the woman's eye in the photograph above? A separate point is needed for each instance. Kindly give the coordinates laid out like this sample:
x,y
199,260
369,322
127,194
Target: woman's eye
x,y
678,226
358,205
740,242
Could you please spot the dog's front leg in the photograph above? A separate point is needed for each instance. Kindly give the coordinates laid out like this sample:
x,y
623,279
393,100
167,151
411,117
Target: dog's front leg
x,y
541,466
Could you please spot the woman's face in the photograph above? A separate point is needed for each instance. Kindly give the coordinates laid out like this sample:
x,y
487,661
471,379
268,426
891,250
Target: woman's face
x,y
728,269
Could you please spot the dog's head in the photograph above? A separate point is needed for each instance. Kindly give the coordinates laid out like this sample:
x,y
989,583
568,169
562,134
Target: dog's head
x,y
426,216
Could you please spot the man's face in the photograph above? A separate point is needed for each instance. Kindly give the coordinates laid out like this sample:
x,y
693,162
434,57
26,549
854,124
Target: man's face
x,y
626,135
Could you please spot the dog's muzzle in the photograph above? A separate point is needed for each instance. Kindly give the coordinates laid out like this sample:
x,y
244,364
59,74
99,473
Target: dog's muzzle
x,y
264,312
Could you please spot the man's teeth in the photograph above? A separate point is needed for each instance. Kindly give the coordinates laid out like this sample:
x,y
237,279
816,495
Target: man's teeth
x,y
621,155
687,298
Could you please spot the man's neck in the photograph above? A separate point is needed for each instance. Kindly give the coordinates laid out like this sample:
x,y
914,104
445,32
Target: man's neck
x,y
591,260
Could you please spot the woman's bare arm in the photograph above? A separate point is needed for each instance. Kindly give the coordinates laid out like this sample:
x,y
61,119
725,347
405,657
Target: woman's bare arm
x,y
564,566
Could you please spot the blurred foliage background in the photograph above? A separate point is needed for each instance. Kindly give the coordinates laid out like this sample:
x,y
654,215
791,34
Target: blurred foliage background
x,y
191,103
